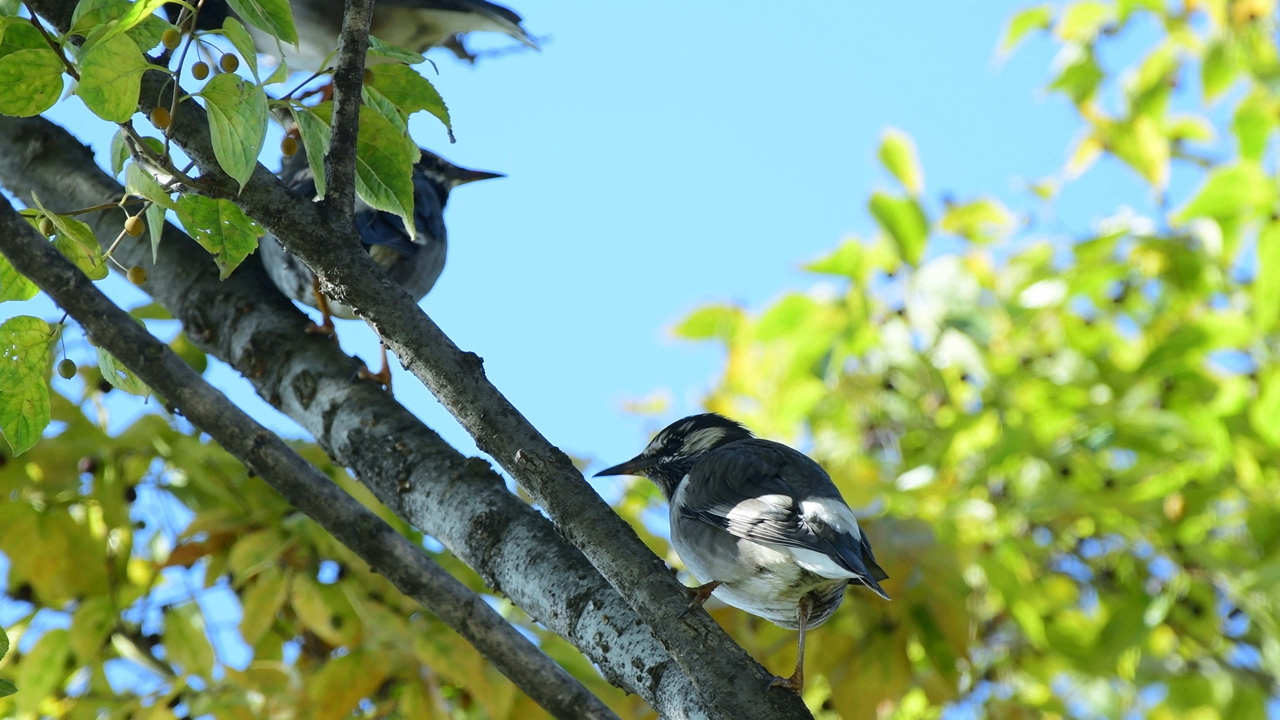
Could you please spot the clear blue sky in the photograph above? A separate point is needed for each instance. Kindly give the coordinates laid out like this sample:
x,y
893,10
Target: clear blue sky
x,y
665,155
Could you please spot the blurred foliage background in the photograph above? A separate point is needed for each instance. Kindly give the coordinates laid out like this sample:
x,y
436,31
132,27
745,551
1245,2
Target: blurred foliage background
x,y
1065,454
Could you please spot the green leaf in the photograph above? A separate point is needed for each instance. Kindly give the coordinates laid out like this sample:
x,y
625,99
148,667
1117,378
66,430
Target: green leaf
x,y
139,182
1218,69
1264,413
134,13
119,152
1266,291
381,49
220,227
185,642
25,363
898,154
1229,192
410,92
155,228
712,321
384,107
75,240
261,602
91,625
273,16
237,123
42,670
904,221
1080,74
30,81
235,31
384,166
1082,20
111,76
114,372
13,284
1252,124
980,221
313,125
1039,17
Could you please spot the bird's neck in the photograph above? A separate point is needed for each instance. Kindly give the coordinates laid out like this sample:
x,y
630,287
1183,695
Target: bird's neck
x,y
668,476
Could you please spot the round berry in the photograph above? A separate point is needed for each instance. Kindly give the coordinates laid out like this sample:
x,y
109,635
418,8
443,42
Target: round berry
x,y
289,146
171,38
161,118
200,70
135,226
67,368
228,62
46,227
137,274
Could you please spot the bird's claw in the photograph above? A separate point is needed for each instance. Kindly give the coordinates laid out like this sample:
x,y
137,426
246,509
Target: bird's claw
x,y
795,683
326,330
382,378
698,596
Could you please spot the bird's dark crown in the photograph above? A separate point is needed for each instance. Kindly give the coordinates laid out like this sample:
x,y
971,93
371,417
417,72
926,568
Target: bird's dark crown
x,y
674,450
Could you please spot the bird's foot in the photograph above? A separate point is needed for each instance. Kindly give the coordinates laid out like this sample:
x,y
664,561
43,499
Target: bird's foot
x,y
795,683
383,378
698,596
325,329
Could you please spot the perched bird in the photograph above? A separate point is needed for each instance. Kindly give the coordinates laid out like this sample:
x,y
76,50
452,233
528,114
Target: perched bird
x,y
759,522
412,262
416,25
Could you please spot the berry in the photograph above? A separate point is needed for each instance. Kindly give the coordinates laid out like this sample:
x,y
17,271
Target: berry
x,y
289,146
67,368
200,70
137,275
228,62
135,226
161,118
46,226
171,38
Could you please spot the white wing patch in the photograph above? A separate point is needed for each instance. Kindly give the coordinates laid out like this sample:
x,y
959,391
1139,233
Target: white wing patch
x,y
833,513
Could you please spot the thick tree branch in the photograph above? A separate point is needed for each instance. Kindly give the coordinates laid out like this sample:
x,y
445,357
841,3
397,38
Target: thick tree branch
x,y
247,323
348,78
727,677
405,564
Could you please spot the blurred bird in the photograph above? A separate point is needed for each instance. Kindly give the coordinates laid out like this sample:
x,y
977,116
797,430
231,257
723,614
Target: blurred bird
x,y
760,522
412,262
416,25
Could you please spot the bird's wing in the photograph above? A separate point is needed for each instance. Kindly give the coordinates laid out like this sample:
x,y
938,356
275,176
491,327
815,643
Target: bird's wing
x,y
767,492
479,7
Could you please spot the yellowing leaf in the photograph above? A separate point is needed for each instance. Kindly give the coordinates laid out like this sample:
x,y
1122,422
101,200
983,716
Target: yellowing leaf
x,y
898,154
1082,20
274,16
42,670
1024,21
904,221
185,642
261,601
30,81
111,76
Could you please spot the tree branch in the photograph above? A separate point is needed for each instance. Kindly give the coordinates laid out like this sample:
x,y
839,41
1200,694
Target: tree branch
x,y
348,78
244,321
405,564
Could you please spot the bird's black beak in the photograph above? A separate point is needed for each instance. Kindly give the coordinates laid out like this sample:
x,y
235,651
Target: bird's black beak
x,y
635,466
462,176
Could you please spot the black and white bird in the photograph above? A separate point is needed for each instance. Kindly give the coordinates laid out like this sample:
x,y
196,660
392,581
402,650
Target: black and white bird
x,y
412,262
760,523
416,25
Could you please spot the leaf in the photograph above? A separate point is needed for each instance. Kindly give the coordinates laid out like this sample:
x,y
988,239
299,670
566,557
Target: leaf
x,y
1218,69
1266,291
75,239
134,14
1039,17
185,642
1080,74
254,552
114,372
13,284
1252,123
119,152
274,16
111,76
89,15
155,228
91,625
1264,413
1229,192
313,125
904,221
381,49
30,81
980,221
220,227
410,92
237,123
1082,20
713,321
261,602
42,670
898,154
138,181
25,364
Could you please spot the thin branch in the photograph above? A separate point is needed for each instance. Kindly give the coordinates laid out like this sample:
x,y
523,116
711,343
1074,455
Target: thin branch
x,y
348,78
406,564
244,321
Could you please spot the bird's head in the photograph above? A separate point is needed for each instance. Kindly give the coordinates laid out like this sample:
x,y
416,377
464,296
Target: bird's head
x,y
674,450
448,175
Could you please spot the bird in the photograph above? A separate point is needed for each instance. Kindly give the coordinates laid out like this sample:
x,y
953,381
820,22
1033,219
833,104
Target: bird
x,y
414,262
760,523
416,25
